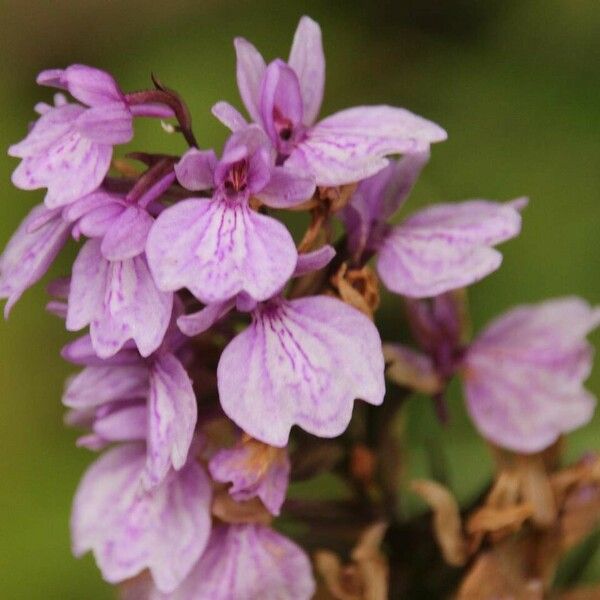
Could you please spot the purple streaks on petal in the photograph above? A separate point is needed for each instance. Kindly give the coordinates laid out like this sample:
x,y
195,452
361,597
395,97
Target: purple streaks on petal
x,y
129,529
300,362
524,374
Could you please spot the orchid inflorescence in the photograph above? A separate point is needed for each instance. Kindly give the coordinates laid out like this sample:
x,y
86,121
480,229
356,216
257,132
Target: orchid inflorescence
x,y
212,332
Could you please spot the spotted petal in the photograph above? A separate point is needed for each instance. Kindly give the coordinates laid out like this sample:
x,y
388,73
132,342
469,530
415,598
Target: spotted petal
x,y
218,250
130,529
524,375
29,254
171,417
445,247
56,155
300,362
119,300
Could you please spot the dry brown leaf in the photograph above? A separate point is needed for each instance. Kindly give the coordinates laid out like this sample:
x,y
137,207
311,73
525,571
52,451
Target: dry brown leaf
x,y
490,519
446,520
498,575
580,593
366,577
357,287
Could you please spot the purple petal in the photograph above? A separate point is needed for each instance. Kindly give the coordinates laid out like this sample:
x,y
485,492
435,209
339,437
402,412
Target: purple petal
x,y
314,261
524,374
101,384
308,61
446,246
351,145
81,352
126,237
54,125
217,250
91,86
247,562
377,199
255,470
28,255
250,72
172,417
119,300
412,369
195,170
204,319
286,188
107,124
129,530
300,362
229,116
280,100
127,424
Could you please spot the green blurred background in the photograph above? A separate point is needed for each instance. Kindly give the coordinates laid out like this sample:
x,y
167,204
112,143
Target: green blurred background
x,y
516,85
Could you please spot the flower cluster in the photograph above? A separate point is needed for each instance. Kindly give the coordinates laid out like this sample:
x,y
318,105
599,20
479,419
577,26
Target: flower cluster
x,y
212,332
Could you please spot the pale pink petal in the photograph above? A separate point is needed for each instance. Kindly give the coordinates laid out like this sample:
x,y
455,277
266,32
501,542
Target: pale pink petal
x,y
107,124
119,300
300,362
126,237
313,261
524,375
89,85
199,322
280,102
217,250
195,170
129,530
98,385
126,424
250,71
446,246
246,562
229,116
286,188
171,417
308,61
255,470
351,145
29,254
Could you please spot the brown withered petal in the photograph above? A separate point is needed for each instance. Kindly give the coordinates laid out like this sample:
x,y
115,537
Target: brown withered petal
x,y
358,287
498,575
225,508
489,519
366,577
340,582
446,520
371,562
536,489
